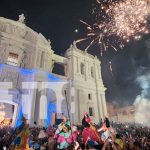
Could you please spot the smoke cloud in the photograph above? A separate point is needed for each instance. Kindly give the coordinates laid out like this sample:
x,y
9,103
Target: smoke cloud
x,y
142,101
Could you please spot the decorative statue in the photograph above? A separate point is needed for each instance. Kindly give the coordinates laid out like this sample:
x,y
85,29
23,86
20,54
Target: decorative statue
x,y
74,44
22,18
71,45
49,42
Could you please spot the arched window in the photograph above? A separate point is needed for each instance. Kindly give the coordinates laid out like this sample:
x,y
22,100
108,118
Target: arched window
x,y
91,113
92,72
13,59
82,68
89,96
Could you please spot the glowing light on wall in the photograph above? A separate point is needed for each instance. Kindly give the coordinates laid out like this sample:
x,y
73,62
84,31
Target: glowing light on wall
x,y
51,107
27,71
53,78
19,118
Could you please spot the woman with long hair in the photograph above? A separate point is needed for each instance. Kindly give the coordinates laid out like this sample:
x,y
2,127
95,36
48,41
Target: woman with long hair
x,y
89,132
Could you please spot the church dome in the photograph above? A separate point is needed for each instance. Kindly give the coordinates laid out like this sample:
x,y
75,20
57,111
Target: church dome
x,y
18,30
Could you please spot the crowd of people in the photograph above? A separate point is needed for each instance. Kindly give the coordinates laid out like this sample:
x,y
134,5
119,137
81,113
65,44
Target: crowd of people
x,y
66,136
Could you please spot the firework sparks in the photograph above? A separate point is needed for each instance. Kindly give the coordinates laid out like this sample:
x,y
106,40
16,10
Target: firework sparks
x,y
80,40
130,18
110,68
89,45
88,26
116,23
99,33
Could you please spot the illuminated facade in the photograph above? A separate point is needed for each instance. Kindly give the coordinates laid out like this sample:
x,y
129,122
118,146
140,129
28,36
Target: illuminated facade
x,y
27,56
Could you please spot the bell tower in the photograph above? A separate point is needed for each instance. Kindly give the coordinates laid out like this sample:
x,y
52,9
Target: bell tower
x,y
84,72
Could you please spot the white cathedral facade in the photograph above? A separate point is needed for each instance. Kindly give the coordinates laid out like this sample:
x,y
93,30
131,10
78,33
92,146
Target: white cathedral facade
x,y
27,56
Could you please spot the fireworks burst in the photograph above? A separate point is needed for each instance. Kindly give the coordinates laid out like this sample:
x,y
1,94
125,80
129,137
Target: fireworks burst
x,y
130,18
116,23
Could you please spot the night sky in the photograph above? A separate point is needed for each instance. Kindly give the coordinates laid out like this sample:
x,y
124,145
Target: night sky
x,y
58,19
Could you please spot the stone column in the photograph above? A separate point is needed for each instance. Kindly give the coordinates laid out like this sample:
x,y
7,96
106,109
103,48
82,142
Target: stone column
x,y
104,105
26,105
42,108
77,106
77,65
65,70
101,107
32,98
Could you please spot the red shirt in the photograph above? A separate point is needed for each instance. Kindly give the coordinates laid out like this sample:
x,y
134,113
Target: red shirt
x,y
91,134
